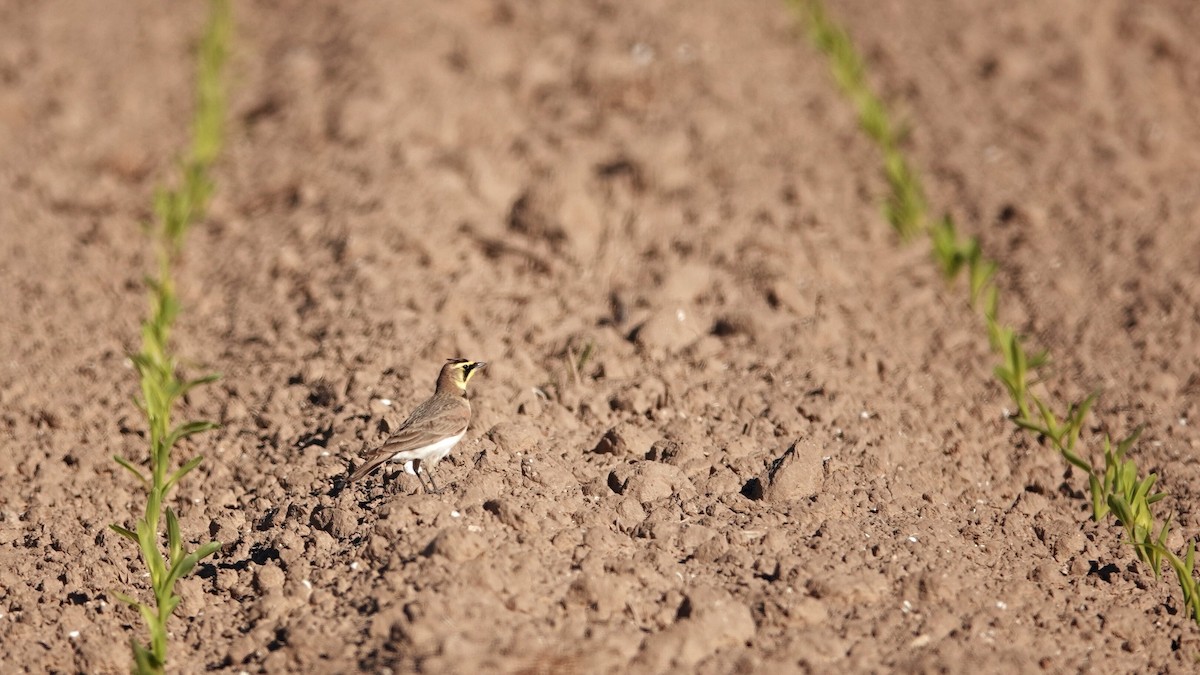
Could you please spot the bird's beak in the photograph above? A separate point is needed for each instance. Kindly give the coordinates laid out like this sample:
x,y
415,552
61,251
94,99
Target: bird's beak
x,y
478,365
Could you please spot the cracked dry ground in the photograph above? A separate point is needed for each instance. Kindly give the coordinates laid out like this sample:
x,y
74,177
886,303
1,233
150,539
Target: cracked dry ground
x,y
677,190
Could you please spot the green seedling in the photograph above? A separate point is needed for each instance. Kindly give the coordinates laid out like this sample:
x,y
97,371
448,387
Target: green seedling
x,y
1117,490
175,210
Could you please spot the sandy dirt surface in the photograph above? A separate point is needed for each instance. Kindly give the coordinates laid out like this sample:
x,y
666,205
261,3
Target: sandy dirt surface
x,y
785,452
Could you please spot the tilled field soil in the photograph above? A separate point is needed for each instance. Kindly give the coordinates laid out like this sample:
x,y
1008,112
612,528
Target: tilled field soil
x,y
729,424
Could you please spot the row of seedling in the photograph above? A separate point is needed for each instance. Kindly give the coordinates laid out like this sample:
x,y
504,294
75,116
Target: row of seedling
x,y
1116,487
176,210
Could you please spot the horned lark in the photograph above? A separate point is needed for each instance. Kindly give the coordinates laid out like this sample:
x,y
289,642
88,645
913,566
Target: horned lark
x,y
432,430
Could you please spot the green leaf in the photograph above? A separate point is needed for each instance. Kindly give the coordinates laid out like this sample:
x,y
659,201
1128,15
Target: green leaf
x,y
187,429
982,273
1129,440
189,561
1076,460
1126,479
144,660
1004,375
170,604
184,470
1121,509
991,303
125,598
1099,503
149,547
1019,363
1143,488
1056,430
207,550
1039,359
141,362
174,540
191,384
128,534
1075,422
1031,426
149,615
1162,534
132,469
154,504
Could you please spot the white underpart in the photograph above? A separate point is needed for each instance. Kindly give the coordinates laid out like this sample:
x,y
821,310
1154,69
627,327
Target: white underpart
x,y
430,454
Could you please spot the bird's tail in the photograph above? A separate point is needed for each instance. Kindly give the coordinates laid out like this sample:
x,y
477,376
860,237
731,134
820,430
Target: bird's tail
x,y
367,467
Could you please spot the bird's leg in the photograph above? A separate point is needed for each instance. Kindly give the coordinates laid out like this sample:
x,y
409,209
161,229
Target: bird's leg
x,y
436,489
424,488
416,466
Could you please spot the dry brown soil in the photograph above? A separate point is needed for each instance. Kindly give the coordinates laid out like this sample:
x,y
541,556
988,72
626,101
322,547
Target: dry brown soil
x,y
676,186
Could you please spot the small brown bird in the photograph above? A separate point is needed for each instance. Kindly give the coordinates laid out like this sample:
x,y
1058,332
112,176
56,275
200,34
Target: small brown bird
x,y
432,430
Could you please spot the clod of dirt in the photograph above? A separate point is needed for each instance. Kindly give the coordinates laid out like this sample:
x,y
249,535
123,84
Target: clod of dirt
x,y
630,514
531,214
649,481
796,474
709,620
853,589
338,522
647,395
784,295
268,578
737,322
456,545
511,516
668,331
513,437
549,472
603,594
623,439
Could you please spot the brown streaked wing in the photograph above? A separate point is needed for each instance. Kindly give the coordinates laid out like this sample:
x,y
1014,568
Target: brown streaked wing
x,y
439,417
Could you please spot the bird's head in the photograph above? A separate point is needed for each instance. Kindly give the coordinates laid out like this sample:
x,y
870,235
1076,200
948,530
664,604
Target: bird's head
x,y
457,373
